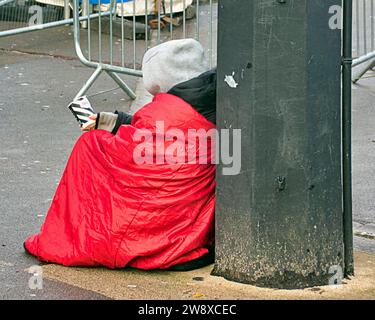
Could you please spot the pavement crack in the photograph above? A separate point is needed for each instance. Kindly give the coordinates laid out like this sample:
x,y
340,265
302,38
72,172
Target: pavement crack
x,y
40,54
365,235
67,58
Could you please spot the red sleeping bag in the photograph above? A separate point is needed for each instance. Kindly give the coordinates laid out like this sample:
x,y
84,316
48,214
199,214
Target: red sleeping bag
x,y
110,211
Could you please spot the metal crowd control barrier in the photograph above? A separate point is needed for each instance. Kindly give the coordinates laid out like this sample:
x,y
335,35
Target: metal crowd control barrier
x,y
14,20
99,65
169,17
112,35
140,24
363,37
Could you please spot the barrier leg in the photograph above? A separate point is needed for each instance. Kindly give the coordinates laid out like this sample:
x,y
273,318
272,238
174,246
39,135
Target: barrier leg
x,y
89,83
359,72
122,84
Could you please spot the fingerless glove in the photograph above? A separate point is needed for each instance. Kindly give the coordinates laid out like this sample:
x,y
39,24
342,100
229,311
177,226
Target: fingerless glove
x,y
111,122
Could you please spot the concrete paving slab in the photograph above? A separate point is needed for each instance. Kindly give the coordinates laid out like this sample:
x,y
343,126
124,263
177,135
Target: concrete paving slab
x,y
163,285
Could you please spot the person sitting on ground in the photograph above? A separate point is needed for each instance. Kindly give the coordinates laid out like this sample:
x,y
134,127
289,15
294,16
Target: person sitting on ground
x,y
111,209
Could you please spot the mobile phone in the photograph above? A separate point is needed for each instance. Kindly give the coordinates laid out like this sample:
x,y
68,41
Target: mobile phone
x,y
81,109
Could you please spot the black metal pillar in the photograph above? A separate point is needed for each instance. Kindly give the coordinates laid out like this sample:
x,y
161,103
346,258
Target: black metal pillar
x,y
347,137
279,223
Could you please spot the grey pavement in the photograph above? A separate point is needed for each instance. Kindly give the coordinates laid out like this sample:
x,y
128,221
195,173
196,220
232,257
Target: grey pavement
x,y
364,156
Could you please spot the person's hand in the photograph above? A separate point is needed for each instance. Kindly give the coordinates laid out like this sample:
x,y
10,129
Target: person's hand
x,y
90,125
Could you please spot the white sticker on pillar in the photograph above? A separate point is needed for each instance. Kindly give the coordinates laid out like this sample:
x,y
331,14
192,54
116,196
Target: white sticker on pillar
x,y
230,81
